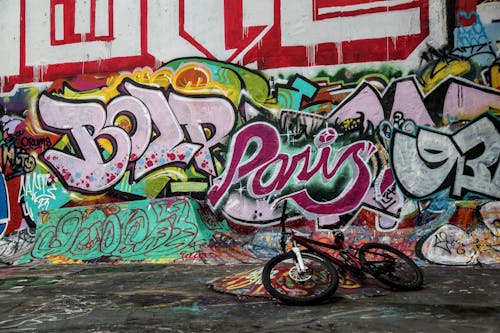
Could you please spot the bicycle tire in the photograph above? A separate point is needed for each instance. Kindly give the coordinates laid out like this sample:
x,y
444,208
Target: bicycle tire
x,y
318,285
401,274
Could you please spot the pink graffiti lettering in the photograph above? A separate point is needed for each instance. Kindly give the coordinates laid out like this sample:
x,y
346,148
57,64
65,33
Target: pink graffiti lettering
x,y
161,132
84,123
266,160
167,145
256,133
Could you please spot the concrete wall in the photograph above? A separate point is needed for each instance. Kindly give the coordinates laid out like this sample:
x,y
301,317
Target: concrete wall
x,y
168,131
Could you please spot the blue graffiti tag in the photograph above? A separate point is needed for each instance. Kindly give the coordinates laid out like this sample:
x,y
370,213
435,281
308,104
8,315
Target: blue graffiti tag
x,y
4,204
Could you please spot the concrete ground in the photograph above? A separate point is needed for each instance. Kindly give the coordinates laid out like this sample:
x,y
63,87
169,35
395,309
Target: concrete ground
x,y
181,298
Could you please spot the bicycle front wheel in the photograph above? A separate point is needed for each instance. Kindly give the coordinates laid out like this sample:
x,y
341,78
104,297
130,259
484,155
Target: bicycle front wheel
x,y
282,279
391,266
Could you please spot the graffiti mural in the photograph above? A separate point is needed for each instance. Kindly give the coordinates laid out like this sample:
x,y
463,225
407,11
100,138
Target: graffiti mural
x,y
49,39
283,166
148,230
459,243
133,130
468,159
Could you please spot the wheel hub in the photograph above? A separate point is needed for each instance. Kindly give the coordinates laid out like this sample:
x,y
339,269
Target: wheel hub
x,y
300,276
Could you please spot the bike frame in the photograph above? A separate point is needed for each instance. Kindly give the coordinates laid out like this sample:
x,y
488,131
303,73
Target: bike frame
x,y
350,261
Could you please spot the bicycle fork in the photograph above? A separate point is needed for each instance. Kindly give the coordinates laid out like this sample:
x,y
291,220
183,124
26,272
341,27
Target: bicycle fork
x,y
300,262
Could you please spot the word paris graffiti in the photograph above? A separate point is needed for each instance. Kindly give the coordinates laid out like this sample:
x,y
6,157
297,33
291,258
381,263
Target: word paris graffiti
x,y
131,166
300,166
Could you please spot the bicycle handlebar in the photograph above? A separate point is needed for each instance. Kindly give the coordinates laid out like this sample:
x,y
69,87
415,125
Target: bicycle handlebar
x,y
338,234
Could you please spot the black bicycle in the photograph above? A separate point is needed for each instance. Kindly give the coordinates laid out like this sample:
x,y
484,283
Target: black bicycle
x,y
308,274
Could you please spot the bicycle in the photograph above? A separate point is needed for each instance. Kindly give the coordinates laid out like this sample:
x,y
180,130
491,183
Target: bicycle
x,y
307,277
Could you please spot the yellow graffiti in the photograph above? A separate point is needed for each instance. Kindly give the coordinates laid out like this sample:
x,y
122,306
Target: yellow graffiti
x,y
63,260
159,78
244,279
351,124
483,242
495,75
347,282
190,78
440,70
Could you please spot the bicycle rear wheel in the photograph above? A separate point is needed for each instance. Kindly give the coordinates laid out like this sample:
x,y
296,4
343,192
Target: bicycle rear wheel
x,y
391,266
282,279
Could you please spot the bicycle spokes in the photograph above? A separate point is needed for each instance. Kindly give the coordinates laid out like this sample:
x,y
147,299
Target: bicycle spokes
x,y
390,266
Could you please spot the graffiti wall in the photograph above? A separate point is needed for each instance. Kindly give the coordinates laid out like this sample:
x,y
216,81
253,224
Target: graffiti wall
x,y
160,131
